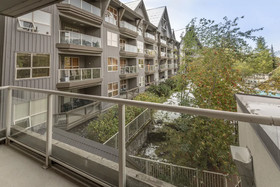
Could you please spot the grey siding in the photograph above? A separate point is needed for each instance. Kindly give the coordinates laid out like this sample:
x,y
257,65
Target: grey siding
x,y
21,41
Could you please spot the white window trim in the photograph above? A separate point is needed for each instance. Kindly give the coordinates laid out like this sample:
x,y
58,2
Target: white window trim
x,y
140,67
112,65
31,68
113,90
110,42
34,24
141,81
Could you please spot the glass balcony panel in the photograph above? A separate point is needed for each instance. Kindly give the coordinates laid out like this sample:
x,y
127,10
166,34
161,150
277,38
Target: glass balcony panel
x,y
29,119
127,25
85,6
129,48
148,35
70,37
68,75
128,70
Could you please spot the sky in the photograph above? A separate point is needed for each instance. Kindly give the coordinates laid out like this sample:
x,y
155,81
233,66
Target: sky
x,y
258,14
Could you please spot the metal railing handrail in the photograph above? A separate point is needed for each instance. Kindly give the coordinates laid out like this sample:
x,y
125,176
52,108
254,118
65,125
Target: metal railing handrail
x,y
79,108
127,125
218,114
174,165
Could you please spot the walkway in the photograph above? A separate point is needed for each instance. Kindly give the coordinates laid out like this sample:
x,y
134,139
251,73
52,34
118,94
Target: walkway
x,y
16,169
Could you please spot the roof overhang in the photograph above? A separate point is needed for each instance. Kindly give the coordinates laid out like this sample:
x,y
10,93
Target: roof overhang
x,y
16,8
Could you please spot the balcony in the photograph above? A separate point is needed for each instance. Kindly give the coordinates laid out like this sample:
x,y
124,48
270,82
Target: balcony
x,y
163,42
163,55
163,67
149,69
78,43
170,66
78,78
128,29
149,38
77,156
176,66
81,10
129,94
128,72
127,50
169,55
170,46
149,53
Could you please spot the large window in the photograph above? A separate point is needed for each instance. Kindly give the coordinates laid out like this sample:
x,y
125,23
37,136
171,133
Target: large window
x,y
32,65
123,85
140,46
112,39
141,81
141,63
123,62
113,89
71,63
112,64
38,22
111,15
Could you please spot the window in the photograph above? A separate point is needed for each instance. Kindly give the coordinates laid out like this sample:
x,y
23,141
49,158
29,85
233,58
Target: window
x,y
71,63
32,65
141,81
38,22
140,47
113,89
141,63
123,62
123,85
112,39
111,15
112,64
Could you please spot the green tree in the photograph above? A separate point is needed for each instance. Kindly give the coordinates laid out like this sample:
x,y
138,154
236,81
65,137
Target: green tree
x,y
211,77
274,60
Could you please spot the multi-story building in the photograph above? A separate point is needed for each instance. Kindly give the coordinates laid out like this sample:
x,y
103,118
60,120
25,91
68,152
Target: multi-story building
x,y
103,48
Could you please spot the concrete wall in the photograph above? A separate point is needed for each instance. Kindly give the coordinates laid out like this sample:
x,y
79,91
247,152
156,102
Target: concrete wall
x,y
266,170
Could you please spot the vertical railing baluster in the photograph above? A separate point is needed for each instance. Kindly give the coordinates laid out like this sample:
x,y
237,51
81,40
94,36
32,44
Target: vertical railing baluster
x,y
49,130
122,156
8,114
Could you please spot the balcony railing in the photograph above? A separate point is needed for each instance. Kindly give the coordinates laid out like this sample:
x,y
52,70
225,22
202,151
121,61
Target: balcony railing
x,y
128,70
68,75
129,48
149,68
175,65
163,41
170,45
124,24
84,5
47,142
169,55
170,66
163,66
163,54
75,38
150,52
148,35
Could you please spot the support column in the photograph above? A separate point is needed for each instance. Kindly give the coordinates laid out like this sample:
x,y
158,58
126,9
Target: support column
x,y
8,113
49,130
122,152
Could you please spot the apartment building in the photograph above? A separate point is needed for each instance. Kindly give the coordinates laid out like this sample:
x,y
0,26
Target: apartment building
x,y
100,47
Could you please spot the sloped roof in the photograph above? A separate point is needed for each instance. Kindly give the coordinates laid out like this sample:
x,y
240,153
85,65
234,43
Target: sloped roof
x,y
133,4
155,15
